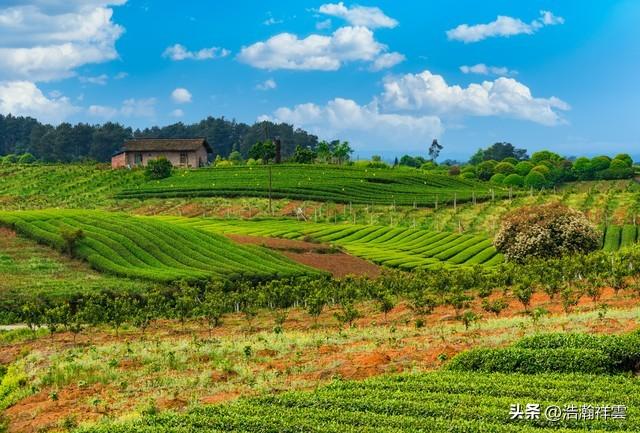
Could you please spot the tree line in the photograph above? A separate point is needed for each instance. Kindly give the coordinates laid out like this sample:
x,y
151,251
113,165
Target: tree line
x,y
83,141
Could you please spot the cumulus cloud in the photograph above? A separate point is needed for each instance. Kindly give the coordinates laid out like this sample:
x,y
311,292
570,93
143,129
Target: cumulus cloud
x,y
482,69
503,26
387,60
267,85
315,52
426,92
370,17
179,52
346,118
181,96
130,108
177,113
43,40
23,98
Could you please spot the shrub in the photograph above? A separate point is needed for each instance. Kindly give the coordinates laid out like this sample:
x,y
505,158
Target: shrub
x,y
546,231
532,361
600,163
468,175
26,158
454,170
624,157
523,168
615,173
513,180
486,169
158,168
535,179
505,168
498,178
542,169
618,164
10,159
511,160
71,238
622,350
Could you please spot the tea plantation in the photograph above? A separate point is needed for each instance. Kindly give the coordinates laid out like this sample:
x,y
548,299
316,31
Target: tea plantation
x,y
318,183
150,249
402,247
432,402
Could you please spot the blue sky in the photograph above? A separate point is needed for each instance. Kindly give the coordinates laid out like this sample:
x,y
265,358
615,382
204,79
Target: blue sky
x,y
387,76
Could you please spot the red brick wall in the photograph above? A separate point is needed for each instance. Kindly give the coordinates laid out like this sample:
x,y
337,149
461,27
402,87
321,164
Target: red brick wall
x,y
119,160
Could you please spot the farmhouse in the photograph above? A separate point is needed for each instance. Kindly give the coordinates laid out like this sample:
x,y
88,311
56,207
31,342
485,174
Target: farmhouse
x,y
186,153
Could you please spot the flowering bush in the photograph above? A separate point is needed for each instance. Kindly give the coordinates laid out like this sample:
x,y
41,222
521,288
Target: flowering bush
x,y
545,231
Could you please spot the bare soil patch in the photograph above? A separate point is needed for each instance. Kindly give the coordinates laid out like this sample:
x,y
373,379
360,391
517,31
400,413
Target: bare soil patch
x,y
319,256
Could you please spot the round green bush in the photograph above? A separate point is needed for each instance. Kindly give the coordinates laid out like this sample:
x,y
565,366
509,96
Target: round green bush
x,y
26,158
600,163
624,157
505,168
486,169
468,175
618,164
535,179
542,169
513,180
523,168
511,160
498,178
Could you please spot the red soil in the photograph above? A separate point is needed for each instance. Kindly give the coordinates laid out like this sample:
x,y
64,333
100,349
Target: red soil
x,y
317,256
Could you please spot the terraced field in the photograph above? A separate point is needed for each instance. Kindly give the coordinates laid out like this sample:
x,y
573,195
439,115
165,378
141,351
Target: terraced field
x,y
151,249
319,183
62,185
432,402
401,247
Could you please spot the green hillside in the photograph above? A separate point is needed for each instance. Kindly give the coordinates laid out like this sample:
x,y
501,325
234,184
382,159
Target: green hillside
x,y
398,247
318,183
150,249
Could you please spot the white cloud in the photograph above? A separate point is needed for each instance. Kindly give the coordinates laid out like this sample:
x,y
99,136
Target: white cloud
x,y
323,25
47,39
315,52
267,85
179,52
503,26
130,108
181,96
482,69
23,98
100,80
120,75
370,17
271,21
177,113
364,125
387,60
102,111
426,92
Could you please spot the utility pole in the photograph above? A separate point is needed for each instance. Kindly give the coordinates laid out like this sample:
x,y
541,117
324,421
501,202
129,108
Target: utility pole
x,y
270,183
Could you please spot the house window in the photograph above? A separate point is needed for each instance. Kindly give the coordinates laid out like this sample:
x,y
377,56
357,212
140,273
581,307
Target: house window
x,y
137,158
184,158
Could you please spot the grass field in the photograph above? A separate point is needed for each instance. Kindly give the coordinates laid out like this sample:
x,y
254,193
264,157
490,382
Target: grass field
x,y
150,249
318,183
401,247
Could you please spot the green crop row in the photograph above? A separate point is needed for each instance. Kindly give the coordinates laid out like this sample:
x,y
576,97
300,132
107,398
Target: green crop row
x,y
431,402
402,247
151,249
557,353
318,183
